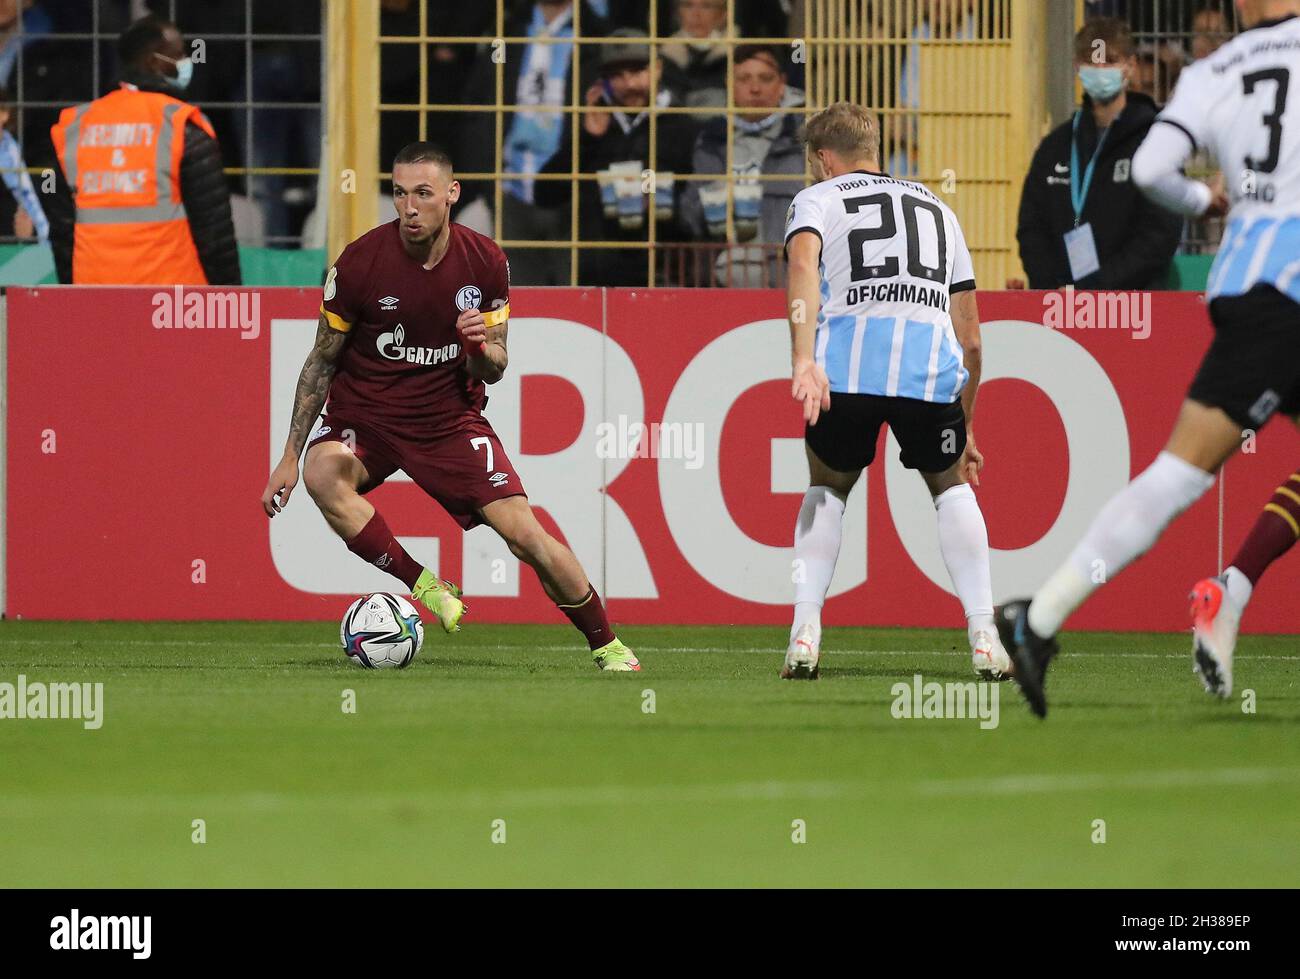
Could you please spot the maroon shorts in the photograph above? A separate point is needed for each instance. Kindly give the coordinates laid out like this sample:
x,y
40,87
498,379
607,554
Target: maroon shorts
x,y
464,470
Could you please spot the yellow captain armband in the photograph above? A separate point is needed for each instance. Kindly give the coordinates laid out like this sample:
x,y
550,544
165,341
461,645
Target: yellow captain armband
x,y
335,321
495,317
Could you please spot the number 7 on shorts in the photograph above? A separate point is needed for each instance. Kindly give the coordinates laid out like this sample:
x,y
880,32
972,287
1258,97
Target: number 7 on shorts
x,y
483,442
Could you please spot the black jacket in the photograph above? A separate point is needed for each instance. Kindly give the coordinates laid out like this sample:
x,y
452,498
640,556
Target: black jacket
x,y
674,140
204,191
1136,238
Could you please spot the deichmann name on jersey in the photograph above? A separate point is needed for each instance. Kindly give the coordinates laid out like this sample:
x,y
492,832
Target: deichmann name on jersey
x,y
897,292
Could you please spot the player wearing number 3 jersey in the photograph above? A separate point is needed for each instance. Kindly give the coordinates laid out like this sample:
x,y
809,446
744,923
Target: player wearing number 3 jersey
x,y
1242,105
412,326
885,331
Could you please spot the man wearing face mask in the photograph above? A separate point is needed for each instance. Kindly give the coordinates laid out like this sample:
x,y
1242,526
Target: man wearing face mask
x,y
1083,221
140,197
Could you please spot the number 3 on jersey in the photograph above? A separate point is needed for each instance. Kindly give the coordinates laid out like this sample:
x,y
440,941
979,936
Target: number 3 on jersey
x,y
1281,77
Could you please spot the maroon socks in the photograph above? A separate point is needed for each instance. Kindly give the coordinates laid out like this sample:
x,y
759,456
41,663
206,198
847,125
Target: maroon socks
x,y
377,545
588,617
1274,532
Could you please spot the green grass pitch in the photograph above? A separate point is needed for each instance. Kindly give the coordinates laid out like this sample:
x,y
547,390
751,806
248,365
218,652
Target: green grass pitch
x,y
241,725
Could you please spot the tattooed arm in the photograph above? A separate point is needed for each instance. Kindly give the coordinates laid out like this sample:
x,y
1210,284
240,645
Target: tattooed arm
x,y
308,399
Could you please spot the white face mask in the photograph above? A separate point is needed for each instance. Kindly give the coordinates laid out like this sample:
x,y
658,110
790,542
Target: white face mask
x,y
1103,84
184,73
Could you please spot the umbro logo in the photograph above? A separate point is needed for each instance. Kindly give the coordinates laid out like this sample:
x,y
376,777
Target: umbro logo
x,y
496,479
389,302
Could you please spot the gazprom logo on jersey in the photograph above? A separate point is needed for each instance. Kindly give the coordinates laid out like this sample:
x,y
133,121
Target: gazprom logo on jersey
x,y
392,347
193,309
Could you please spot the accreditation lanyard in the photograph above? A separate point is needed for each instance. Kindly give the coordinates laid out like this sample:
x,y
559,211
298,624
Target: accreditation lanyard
x,y
1079,192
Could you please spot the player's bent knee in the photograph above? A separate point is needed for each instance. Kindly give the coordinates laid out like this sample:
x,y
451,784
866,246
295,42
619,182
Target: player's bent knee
x,y
330,495
329,479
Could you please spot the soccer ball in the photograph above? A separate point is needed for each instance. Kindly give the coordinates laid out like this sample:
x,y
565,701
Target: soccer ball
x,y
380,631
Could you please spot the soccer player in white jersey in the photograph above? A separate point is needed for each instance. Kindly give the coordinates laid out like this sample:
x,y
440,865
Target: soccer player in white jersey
x,y
1243,104
885,330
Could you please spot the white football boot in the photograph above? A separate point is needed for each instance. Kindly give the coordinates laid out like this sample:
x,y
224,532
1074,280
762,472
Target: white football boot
x,y
801,659
987,657
1215,620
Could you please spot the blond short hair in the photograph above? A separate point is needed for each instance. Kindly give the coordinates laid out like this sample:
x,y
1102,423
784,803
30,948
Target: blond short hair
x,y
849,130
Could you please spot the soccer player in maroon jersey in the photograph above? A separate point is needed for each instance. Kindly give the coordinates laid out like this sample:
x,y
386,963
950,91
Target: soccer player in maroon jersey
x,y
413,325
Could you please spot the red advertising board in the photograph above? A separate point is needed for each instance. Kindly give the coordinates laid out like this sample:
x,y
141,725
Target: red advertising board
x,y
652,429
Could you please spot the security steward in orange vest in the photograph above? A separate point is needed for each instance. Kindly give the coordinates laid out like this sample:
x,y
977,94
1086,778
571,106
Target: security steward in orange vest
x,y
140,197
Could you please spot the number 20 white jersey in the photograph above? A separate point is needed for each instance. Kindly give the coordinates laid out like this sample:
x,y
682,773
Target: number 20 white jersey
x,y
892,254
1243,104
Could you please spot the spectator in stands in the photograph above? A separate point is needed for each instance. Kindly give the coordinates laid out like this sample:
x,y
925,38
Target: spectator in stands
x,y
615,144
695,63
538,137
450,67
51,69
1083,222
753,18
35,23
1158,66
21,214
764,141
1210,31
286,72
123,213
1144,80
